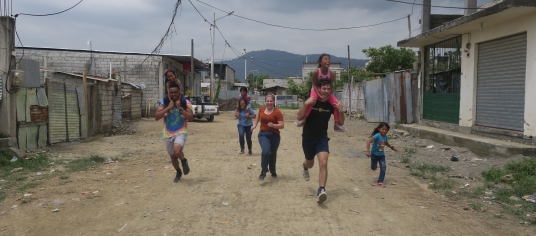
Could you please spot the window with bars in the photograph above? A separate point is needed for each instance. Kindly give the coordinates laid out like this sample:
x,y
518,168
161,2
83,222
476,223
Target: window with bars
x,y
443,66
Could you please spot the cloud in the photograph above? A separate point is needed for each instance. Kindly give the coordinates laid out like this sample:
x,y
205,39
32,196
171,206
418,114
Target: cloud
x,y
138,25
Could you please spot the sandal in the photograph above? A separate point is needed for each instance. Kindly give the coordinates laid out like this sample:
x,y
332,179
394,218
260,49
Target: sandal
x,y
380,184
339,128
241,151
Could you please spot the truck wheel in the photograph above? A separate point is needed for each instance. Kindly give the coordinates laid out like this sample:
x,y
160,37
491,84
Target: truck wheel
x,y
211,118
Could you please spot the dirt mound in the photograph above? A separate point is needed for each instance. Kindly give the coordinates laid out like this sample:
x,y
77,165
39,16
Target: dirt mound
x,y
227,104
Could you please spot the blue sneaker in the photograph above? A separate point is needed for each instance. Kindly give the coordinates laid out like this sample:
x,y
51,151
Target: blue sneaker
x,y
322,196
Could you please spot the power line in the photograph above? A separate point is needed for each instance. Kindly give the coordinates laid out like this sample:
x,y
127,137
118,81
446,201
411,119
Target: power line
x,y
305,29
51,14
431,5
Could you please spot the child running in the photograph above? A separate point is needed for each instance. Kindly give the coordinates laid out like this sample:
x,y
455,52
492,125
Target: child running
x,y
323,73
247,98
376,154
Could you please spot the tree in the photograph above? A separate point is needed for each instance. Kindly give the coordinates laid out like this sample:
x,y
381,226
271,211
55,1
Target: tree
x,y
358,74
301,90
388,59
257,81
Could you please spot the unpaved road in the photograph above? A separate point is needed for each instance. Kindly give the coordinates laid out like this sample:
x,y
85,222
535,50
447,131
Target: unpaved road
x,y
222,196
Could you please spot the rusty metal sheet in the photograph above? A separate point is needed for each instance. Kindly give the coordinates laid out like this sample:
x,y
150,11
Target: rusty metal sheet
x,y
73,113
21,105
57,124
31,136
42,136
42,97
21,135
31,99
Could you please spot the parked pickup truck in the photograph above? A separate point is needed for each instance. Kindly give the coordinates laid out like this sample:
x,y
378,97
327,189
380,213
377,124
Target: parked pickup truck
x,y
202,107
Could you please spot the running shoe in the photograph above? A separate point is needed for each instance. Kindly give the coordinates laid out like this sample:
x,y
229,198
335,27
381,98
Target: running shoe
x,y
322,196
261,177
185,166
306,175
178,176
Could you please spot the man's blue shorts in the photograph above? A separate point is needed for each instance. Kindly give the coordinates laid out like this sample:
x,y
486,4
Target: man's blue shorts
x,y
314,146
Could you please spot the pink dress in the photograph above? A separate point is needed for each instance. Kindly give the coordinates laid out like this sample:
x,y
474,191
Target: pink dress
x,y
332,98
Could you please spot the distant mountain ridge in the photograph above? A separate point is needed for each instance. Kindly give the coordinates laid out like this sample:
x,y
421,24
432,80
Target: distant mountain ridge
x,y
280,64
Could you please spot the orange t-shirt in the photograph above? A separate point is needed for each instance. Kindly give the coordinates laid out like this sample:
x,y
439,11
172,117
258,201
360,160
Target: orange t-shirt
x,y
274,117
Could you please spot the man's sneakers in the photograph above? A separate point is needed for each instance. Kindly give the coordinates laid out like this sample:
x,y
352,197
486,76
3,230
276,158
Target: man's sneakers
x,y
306,175
178,176
322,196
185,166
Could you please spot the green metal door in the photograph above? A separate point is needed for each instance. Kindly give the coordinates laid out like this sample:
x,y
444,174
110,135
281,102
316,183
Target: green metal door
x,y
441,83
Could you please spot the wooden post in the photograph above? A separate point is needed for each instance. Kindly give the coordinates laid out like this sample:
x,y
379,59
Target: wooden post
x,y
86,98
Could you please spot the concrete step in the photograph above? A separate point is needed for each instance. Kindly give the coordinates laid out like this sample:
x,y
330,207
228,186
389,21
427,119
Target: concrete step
x,y
477,144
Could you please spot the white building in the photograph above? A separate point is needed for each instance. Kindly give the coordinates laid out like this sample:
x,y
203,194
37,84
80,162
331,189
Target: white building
x,y
478,71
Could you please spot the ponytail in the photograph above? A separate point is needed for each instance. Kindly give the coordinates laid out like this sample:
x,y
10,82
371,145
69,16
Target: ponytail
x,y
381,125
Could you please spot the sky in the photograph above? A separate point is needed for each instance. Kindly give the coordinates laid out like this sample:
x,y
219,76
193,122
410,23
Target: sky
x,y
139,25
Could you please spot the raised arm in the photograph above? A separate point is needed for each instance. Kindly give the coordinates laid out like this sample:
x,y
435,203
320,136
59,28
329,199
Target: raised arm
x,y
301,112
161,111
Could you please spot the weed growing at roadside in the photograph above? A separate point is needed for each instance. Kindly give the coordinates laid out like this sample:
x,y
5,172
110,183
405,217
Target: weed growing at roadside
x,y
443,184
2,135
514,181
85,163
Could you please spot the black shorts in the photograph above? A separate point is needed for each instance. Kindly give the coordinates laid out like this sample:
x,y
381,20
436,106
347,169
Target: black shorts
x,y
313,147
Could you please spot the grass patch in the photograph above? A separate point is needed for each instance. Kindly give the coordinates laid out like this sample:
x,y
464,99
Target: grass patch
x,y
405,159
2,135
26,186
427,168
3,196
443,184
85,163
509,184
410,151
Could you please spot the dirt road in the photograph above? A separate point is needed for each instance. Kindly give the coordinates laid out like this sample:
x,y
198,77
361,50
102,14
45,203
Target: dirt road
x,y
222,196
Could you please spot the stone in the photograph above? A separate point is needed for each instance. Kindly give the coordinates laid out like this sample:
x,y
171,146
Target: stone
x,y
19,153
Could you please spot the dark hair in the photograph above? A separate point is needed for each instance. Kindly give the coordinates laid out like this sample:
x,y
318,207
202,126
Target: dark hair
x,y
323,82
174,85
381,125
245,101
169,70
243,89
320,58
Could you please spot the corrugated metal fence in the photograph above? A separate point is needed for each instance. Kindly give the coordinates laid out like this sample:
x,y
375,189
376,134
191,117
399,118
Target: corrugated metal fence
x,y
389,99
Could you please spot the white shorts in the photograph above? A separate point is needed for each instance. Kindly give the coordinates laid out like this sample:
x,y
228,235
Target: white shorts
x,y
179,139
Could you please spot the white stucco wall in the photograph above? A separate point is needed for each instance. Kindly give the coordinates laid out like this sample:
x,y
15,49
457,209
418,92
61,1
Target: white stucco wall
x,y
522,24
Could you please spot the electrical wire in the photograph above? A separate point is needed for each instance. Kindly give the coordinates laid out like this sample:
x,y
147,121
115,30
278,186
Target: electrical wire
x,y
51,14
432,5
305,29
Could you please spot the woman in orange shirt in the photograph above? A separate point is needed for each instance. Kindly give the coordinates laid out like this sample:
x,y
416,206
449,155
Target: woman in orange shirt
x,y
271,122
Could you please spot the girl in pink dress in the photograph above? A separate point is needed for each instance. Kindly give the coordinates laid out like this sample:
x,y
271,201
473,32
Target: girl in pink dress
x,y
323,72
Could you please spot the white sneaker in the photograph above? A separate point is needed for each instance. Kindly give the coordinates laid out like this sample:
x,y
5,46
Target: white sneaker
x,y
306,175
322,197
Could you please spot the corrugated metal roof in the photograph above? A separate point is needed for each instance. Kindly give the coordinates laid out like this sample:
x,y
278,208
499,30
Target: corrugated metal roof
x,y
93,77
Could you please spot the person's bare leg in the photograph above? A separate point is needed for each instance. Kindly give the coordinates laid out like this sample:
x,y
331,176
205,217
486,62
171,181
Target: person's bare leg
x,y
177,149
322,176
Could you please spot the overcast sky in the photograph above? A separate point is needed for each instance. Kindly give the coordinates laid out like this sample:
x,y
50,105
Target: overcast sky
x,y
138,25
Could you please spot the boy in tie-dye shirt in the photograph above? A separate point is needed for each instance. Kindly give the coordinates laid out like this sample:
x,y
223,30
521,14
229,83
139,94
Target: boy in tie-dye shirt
x,y
175,130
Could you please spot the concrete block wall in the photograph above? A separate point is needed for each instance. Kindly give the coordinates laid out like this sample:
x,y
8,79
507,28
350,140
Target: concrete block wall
x,y
79,61
135,103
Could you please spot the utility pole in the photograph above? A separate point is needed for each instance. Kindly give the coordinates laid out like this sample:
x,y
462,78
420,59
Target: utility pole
x,y
351,85
245,67
212,56
212,61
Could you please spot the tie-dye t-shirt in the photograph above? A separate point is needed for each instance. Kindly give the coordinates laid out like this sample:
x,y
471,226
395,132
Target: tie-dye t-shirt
x,y
173,123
